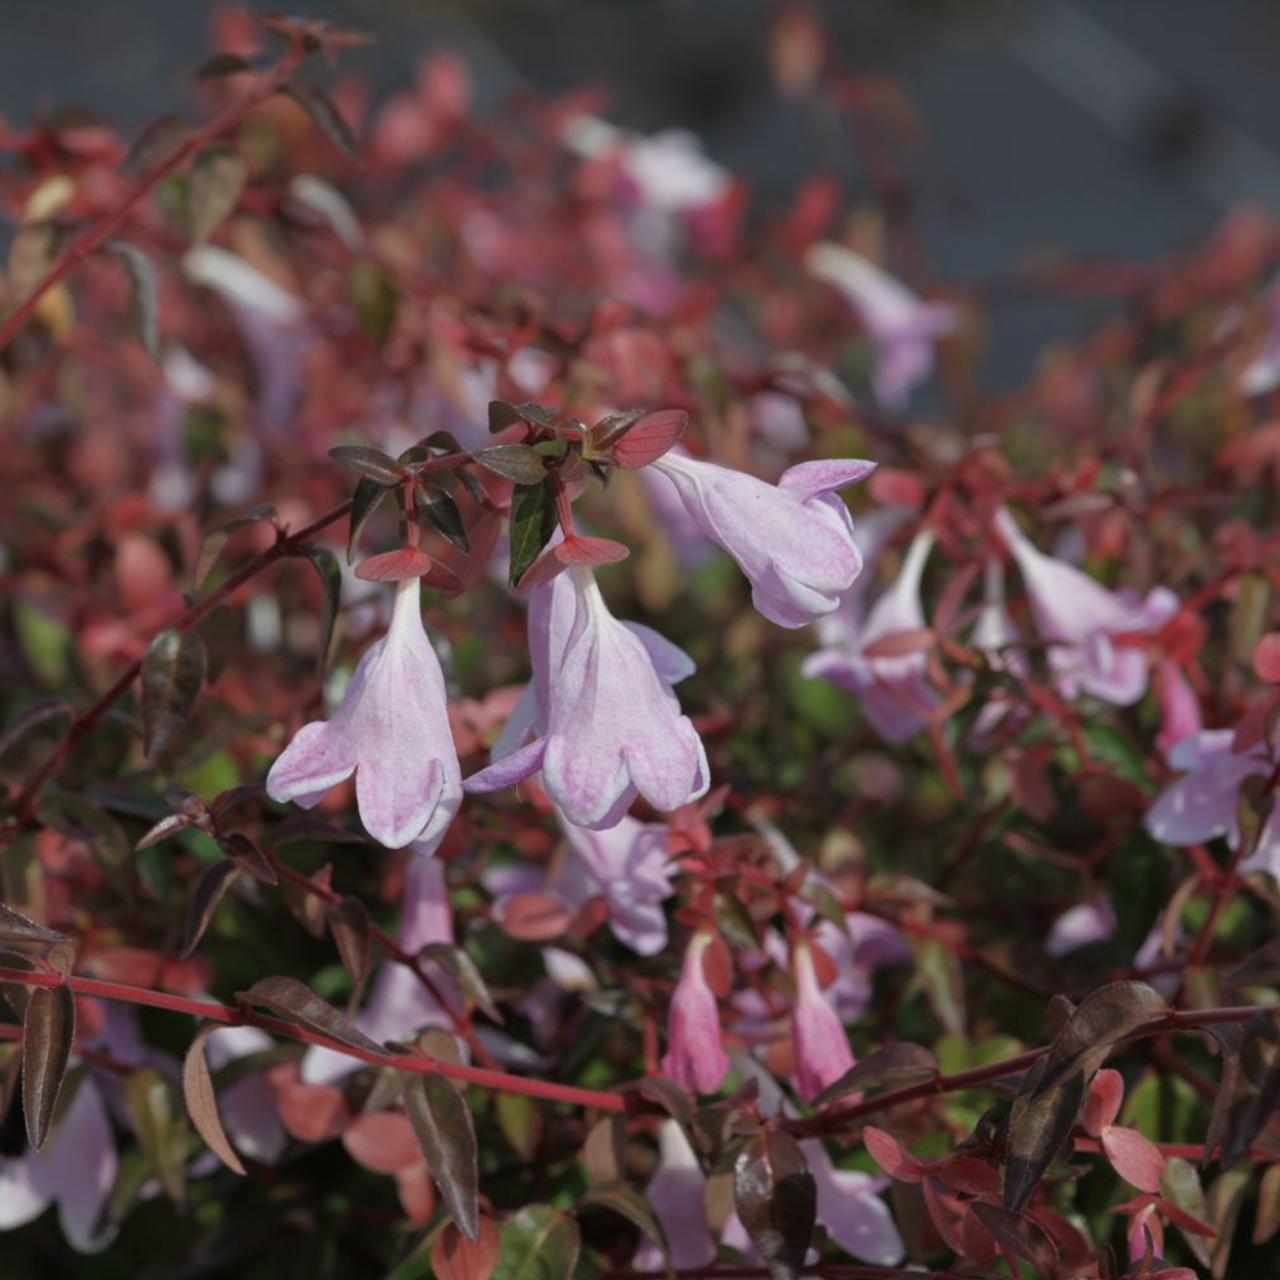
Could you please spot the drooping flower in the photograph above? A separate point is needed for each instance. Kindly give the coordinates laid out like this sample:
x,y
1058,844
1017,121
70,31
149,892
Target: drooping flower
x,y
902,329
76,1171
1203,804
399,1005
894,691
392,732
677,1195
1179,707
1082,621
695,1058
608,723
794,540
821,1047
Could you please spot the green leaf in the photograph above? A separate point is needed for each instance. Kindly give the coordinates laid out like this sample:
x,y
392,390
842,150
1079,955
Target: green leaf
x,y
438,506
217,179
538,1243
520,1120
938,974
330,571
202,1102
46,644
172,673
442,1123
1040,1124
369,493
533,521
630,1204
218,537
161,1128
48,1029
516,462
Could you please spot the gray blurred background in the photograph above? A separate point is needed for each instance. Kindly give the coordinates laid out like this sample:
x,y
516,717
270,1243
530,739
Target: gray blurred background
x,y
1112,128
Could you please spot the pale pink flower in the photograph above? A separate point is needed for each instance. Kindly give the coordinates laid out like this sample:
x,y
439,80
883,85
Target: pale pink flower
x,y
608,723
76,1170
794,540
1081,925
902,329
392,732
895,692
677,1194
1082,621
695,1058
817,1034
1179,707
1203,804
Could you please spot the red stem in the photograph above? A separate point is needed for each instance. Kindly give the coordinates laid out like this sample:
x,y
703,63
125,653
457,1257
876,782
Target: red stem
x,y
418,1064
94,236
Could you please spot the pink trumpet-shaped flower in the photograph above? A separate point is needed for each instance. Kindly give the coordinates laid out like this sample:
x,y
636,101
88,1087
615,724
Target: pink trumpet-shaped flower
x,y
76,1170
1179,707
695,1058
894,690
821,1046
677,1195
902,329
1082,620
1203,804
609,726
392,732
794,540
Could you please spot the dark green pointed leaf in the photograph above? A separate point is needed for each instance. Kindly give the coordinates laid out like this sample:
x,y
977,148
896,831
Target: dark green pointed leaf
x,y
533,521
438,506
202,1102
144,293
777,1200
516,462
369,493
442,1123
938,973
325,116
1040,1124
1180,1185
48,1030
172,673
293,1000
217,538
893,1066
538,1243
31,719
330,571
209,890
462,969
369,462
217,179
626,1201
502,415
1020,1235
349,924
161,1128
240,850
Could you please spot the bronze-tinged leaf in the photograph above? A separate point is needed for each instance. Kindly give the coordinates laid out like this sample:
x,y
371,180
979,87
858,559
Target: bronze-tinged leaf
x,y
209,890
300,828
349,925
648,439
893,1066
172,673
1040,1124
17,930
538,1243
776,1199
1100,1021
441,1120
454,1257
39,713
48,1030
326,117
1223,1204
502,415
438,508
938,974
603,1154
370,463
161,1129
156,143
628,1203
326,565
462,969
366,500
144,293
217,179
246,855
1021,1236
518,462
218,537
296,1002
1267,1221
202,1102
163,829
533,521
222,64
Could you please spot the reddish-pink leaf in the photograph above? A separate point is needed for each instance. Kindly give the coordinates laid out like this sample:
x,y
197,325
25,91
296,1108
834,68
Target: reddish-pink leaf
x,y
965,1173
1266,658
892,1156
901,644
579,550
395,566
535,917
454,1257
383,1142
202,1102
1135,1158
1101,1107
650,438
